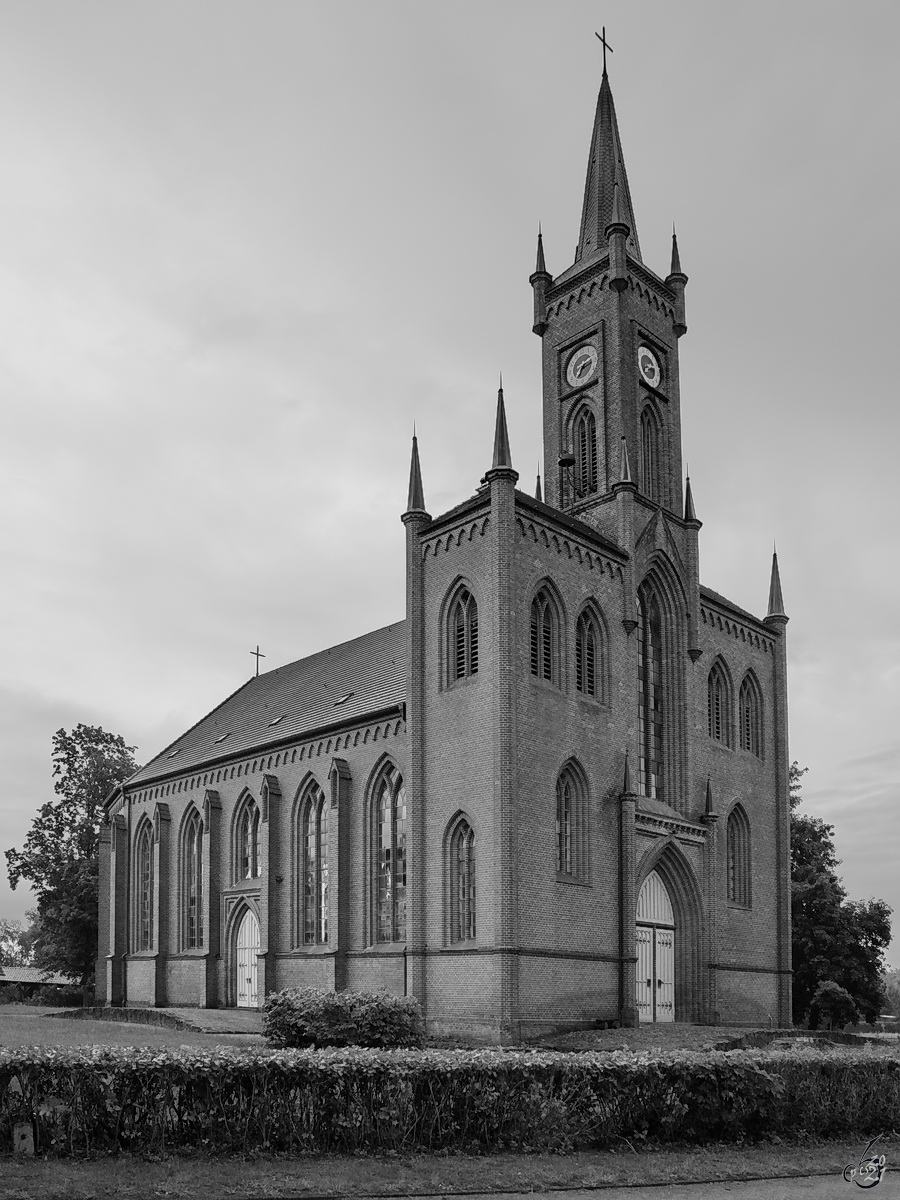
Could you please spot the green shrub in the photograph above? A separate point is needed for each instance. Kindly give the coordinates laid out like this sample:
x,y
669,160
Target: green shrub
x,y
58,996
100,1100
300,1017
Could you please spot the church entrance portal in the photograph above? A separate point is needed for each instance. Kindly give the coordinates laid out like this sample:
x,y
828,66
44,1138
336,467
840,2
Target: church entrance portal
x,y
655,940
246,951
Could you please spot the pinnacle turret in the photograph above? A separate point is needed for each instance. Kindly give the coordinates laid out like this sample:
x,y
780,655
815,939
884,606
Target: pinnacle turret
x,y
606,169
689,514
676,260
538,492
776,601
416,500
624,465
502,453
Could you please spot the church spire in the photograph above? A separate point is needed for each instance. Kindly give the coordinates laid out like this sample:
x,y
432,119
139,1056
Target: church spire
x,y
502,453
776,601
416,501
606,169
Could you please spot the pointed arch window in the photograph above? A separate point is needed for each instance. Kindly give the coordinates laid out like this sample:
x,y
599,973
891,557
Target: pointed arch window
x,y
589,656
247,847
390,858
650,454
463,925
750,716
544,637
738,852
719,705
463,639
144,890
571,825
650,695
314,875
192,883
586,453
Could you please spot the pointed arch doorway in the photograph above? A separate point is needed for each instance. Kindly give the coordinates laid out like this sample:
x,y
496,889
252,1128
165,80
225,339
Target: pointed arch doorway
x,y
655,943
246,961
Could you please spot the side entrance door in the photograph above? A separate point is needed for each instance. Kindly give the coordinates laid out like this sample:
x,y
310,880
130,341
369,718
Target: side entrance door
x,y
247,949
655,942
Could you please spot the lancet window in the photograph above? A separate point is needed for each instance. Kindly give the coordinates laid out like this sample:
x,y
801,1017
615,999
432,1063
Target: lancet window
x,y
463,639
192,883
738,851
463,925
314,876
750,716
390,857
650,695
144,891
544,637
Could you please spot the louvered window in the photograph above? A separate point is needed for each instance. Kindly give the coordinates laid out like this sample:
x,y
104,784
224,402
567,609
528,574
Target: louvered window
x,y
588,656
650,455
586,453
464,636
750,718
718,705
543,637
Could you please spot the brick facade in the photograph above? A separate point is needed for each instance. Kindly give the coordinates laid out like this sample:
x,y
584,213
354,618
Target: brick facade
x,y
662,785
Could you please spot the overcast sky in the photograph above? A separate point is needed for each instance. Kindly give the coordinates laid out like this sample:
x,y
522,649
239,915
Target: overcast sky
x,y
243,246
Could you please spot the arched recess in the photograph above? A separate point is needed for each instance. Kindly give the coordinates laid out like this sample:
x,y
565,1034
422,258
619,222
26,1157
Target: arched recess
x,y
142,884
547,634
720,703
738,862
573,834
592,653
388,840
190,879
662,585
652,453
245,826
460,879
669,861
750,715
460,632
233,924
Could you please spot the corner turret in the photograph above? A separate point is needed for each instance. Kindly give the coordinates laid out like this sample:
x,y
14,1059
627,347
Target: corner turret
x,y
676,279
540,281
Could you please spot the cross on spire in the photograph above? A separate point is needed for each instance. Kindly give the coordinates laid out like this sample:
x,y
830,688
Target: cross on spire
x,y
257,654
606,46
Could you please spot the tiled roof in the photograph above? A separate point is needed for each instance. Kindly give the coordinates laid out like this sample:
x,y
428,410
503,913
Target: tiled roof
x,y
333,687
33,975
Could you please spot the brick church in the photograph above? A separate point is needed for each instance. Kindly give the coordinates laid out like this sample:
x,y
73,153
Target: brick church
x,y
556,793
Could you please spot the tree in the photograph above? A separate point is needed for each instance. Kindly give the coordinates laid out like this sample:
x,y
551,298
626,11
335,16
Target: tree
x,y
834,939
15,944
60,857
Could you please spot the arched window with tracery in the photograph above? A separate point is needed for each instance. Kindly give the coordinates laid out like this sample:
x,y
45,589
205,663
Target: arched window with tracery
x,y
571,825
143,860
650,695
750,716
313,846
738,852
589,656
585,453
463,639
461,866
192,882
389,810
718,694
247,842
544,637
650,454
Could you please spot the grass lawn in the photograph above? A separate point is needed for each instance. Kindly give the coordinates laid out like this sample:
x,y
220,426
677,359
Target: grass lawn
x,y
27,1025
180,1178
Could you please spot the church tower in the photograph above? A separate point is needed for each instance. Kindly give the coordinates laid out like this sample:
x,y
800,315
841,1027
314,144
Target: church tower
x,y
610,328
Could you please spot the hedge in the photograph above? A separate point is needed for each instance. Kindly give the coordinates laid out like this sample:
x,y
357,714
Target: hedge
x,y
100,1100
298,1017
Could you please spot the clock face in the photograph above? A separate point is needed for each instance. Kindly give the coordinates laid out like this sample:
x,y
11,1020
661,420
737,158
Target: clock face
x,y
582,365
648,365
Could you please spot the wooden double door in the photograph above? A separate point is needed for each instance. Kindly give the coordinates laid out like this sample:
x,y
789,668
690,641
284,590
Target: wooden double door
x,y
655,944
246,961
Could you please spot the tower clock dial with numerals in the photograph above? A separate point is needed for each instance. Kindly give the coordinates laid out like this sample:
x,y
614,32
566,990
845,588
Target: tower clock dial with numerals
x,y
648,365
582,365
